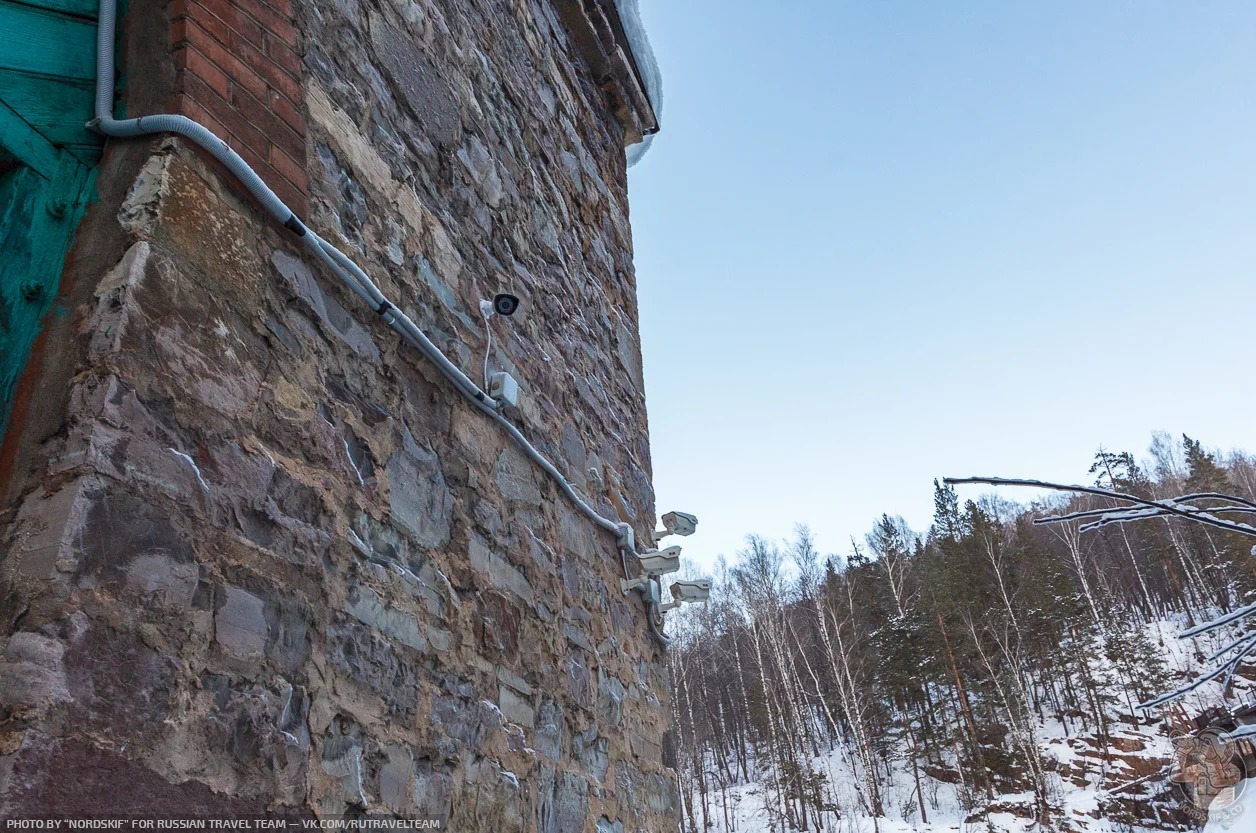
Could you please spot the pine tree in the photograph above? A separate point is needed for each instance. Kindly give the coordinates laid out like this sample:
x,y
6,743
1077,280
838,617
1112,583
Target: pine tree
x,y
1139,663
1118,471
948,522
1202,472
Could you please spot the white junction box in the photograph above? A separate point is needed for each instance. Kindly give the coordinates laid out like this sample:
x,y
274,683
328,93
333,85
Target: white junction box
x,y
504,389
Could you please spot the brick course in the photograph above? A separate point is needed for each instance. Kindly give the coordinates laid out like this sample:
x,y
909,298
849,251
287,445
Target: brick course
x,y
239,74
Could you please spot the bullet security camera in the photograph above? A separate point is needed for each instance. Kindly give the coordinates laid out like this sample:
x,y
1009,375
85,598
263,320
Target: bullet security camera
x,y
688,592
654,564
505,304
661,562
698,590
677,523
680,523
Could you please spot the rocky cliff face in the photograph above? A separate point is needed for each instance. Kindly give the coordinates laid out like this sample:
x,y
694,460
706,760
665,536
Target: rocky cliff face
x,y
257,553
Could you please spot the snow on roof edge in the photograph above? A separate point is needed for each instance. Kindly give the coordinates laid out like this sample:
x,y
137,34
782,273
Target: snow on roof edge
x,y
647,65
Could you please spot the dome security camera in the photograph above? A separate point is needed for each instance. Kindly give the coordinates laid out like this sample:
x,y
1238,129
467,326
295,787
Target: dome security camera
x,y
505,304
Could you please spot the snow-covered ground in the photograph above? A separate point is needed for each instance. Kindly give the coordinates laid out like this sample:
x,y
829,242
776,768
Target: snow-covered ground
x,y
1240,818
1119,786
1078,800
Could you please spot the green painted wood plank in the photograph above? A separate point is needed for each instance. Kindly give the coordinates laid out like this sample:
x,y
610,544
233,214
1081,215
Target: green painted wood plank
x,y
24,142
22,194
57,108
47,66
38,217
89,155
80,8
46,43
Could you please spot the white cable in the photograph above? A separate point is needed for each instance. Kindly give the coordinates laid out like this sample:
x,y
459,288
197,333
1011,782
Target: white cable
x,y
488,342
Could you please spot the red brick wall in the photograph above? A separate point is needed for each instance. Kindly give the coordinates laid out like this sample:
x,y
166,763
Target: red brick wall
x,y
239,75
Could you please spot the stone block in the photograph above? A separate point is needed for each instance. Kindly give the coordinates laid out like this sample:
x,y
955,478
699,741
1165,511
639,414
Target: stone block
x,y
79,779
542,555
467,721
515,476
482,170
594,756
662,793
171,582
422,87
433,793
645,741
365,605
342,761
498,626
32,672
579,536
47,530
507,677
122,525
610,701
499,572
515,707
240,624
288,625
550,728
367,659
578,636
419,498
118,684
396,780
336,319
579,681
496,799
571,802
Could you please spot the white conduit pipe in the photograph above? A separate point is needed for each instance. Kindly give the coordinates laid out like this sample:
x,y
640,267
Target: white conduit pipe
x,y
340,264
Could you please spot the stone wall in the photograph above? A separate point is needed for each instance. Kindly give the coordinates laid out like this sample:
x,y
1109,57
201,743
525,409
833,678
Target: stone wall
x,y
257,555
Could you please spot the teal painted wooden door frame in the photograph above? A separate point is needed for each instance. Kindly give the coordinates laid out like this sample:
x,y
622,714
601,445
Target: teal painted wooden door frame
x,y
47,164
38,216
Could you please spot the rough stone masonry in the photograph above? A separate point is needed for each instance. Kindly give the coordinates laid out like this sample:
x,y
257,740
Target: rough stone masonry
x,y
257,555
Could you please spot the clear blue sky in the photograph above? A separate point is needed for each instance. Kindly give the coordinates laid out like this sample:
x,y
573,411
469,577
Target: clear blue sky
x,y
882,242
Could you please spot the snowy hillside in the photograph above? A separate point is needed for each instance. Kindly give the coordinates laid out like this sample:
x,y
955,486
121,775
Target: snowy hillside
x,y
987,674
1117,783
1080,800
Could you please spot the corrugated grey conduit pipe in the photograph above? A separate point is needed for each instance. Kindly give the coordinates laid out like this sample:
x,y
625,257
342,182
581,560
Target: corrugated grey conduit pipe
x,y
340,264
